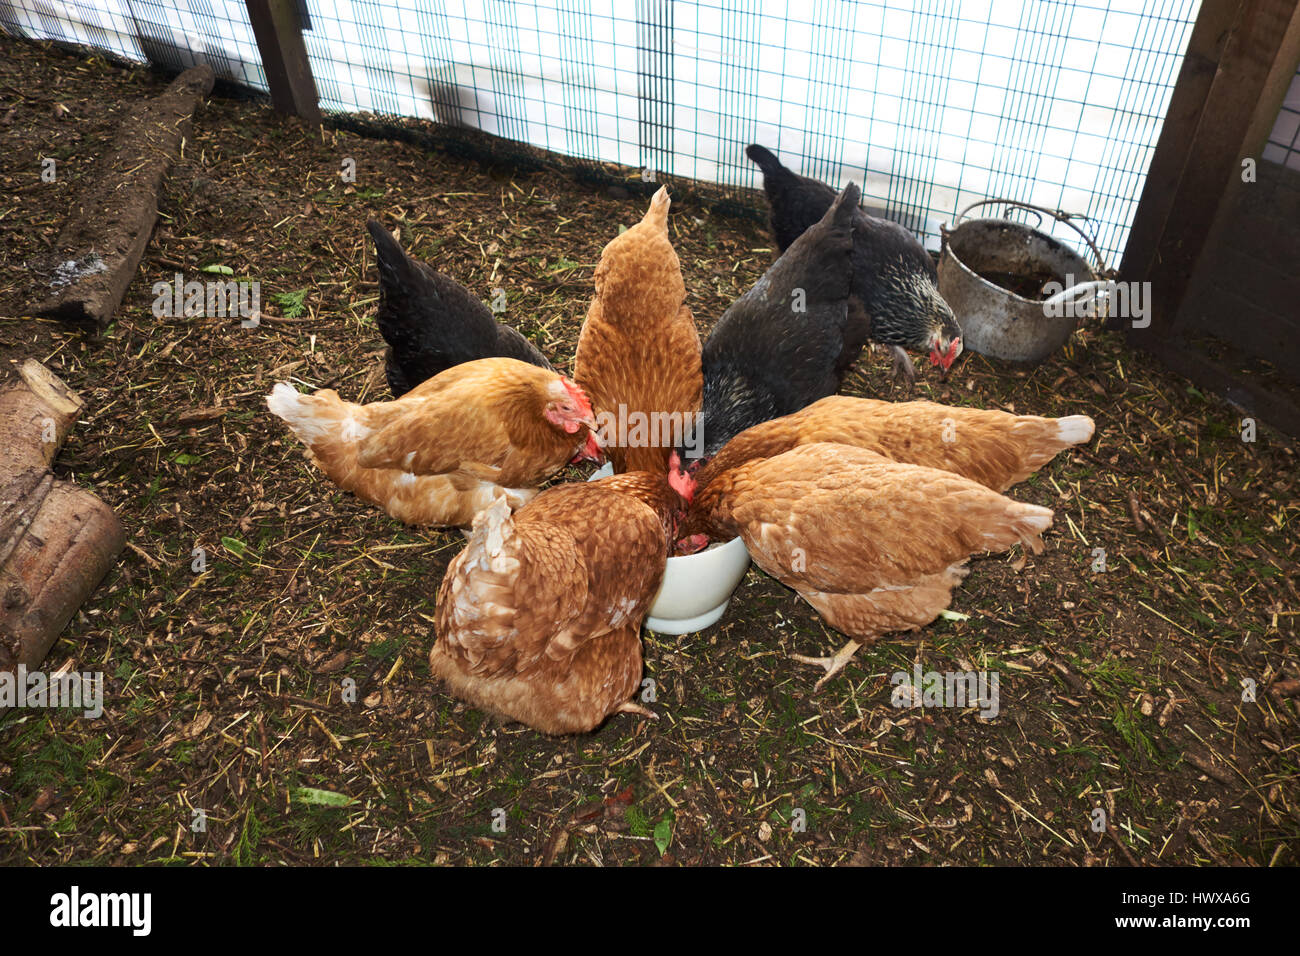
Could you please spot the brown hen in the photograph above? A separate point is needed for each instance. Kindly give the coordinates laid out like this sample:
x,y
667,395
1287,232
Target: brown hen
x,y
994,448
446,449
639,352
873,545
538,618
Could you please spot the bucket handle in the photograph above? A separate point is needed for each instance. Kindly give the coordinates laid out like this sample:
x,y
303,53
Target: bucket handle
x,y
1058,214
1079,292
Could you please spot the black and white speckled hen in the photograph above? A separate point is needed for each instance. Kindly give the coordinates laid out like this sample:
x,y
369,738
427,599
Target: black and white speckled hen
x,y
790,339
893,275
432,323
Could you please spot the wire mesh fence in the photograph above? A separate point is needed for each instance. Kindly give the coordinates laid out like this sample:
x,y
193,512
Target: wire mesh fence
x,y
930,105
1283,145
171,34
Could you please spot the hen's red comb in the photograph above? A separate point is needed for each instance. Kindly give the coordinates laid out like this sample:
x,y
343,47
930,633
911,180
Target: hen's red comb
x,y
579,396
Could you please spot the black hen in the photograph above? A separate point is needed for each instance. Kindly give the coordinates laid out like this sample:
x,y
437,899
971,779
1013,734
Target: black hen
x,y
893,275
431,322
789,340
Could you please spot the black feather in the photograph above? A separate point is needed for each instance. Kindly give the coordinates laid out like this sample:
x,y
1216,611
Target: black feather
x,y
432,323
763,359
893,276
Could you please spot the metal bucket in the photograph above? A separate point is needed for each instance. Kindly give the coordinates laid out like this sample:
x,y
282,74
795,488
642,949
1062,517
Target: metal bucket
x,y
996,321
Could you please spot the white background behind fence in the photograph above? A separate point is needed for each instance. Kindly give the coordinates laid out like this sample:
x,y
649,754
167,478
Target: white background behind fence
x,y
929,104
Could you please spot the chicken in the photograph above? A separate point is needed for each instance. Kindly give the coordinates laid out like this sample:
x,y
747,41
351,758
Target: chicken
x,y
432,323
538,618
993,448
873,545
893,275
639,352
791,338
446,449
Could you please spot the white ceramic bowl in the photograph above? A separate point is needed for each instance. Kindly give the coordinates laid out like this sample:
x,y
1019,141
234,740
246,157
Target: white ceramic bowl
x,y
697,587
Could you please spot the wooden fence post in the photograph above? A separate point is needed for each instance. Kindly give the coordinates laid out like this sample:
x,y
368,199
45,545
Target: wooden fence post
x,y
1233,47
278,29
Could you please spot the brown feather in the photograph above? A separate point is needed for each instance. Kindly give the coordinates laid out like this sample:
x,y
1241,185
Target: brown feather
x,y
538,617
875,545
445,449
993,448
639,347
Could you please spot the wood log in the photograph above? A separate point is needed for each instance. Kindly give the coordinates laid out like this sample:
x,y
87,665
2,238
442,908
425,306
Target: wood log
x,y
68,548
101,246
56,540
36,415
20,499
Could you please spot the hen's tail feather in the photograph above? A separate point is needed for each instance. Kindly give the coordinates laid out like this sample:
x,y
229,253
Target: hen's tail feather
x,y
406,315
318,419
394,264
493,527
475,612
1074,429
1019,522
331,429
1036,441
326,424
284,401
765,160
841,211
657,215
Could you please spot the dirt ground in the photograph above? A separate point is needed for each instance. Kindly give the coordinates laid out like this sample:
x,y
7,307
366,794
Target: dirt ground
x,y
1120,690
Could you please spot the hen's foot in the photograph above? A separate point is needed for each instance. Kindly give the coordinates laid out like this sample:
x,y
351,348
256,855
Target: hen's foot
x,y
832,665
904,370
631,708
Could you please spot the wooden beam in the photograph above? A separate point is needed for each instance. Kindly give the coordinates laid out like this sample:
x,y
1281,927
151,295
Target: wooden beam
x,y
278,29
100,247
1276,86
1225,72
1257,201
1182,118
1276,407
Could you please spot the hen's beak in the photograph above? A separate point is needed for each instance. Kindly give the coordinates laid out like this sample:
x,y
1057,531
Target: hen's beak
x,y
945,360
571,425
